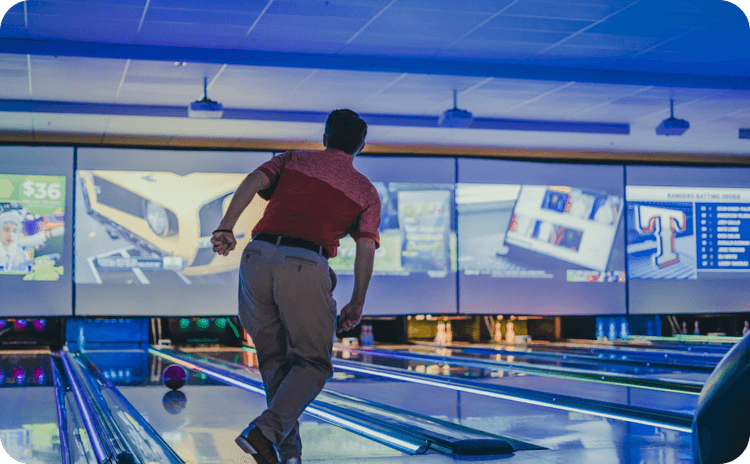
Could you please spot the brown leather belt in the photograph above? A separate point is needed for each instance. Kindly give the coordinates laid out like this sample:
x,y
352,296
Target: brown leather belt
x,y
292,242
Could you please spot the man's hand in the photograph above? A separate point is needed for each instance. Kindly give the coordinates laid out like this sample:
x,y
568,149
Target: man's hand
x,y
363,263
223,242
350,316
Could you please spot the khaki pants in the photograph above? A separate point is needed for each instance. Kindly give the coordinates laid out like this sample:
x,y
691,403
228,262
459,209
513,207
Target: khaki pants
x,y
286,306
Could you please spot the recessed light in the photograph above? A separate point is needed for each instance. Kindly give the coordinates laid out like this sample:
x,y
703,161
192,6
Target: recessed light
x,y
180,63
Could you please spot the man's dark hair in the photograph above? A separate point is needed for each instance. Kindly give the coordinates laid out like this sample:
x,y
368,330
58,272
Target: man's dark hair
x,y
345,130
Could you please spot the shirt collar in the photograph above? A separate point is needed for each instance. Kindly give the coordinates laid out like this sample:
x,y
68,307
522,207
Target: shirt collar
x,y
339,153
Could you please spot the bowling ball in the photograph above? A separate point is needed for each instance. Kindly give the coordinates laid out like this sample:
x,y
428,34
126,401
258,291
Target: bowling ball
x,y
174,377
174,401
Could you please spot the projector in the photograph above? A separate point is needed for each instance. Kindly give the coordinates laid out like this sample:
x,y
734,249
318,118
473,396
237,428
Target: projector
x,y
455,118
672,126
206,109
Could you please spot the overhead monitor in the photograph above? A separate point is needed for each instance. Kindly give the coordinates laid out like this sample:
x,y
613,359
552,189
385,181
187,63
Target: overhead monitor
x,y
143,227
688,239
36,231
415,266
539,238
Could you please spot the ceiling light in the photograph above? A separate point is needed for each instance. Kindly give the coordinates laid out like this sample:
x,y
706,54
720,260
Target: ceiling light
x,y
672,125
205,108
454,117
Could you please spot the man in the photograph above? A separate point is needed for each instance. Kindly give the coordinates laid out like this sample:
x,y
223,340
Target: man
x,y
286,303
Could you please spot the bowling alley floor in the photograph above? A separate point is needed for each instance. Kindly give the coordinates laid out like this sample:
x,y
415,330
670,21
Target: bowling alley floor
x,y
568,437
202,420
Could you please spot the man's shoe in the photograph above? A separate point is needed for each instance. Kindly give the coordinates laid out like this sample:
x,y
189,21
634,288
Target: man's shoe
x,y
292,461
261,448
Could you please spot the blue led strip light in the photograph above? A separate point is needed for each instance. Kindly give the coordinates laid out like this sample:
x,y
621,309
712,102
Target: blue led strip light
x,y
434,66
62,416
90,420
155,444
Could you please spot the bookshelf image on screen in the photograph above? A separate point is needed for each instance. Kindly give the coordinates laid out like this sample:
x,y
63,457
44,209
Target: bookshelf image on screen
x,y
415,266
415,232
32,226
155,227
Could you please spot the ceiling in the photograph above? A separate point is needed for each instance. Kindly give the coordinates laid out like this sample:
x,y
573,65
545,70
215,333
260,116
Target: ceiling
x,y
541,74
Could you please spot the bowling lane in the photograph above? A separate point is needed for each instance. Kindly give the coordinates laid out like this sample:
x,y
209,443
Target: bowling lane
x,y
28,412
635,352
630,396
201,420
693,344
583,438
504,357
675,363
575,437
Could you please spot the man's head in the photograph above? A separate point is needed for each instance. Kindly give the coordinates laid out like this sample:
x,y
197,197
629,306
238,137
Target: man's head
x,y
10,225
345,131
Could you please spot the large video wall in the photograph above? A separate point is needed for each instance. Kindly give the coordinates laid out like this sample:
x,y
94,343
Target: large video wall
x,y
458,235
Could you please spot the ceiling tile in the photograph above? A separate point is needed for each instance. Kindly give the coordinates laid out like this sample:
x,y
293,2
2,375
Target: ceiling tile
x,y
566,10
332,10
210,5
530,23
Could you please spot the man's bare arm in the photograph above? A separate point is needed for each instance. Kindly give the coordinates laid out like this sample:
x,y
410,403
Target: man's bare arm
x,y
224,242
363,264
252,184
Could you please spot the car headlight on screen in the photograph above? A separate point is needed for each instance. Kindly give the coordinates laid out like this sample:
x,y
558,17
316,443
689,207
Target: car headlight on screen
x,y
156,216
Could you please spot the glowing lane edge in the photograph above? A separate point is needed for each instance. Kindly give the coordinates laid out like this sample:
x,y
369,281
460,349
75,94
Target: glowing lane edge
x,y
514,398
312,410
547,371
362,429
91,428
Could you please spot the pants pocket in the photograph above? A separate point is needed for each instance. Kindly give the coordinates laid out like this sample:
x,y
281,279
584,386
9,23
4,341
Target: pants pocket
x,y
251,254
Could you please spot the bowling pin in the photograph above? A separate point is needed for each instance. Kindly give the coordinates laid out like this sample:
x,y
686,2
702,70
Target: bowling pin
x,y
612,330
600,329
440,337
510,331
498,335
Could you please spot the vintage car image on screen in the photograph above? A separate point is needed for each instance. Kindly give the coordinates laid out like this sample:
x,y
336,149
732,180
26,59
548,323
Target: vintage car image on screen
x,y
169,216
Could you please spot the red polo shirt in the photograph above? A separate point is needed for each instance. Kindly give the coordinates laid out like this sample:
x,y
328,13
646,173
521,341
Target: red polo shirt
x,y
320,197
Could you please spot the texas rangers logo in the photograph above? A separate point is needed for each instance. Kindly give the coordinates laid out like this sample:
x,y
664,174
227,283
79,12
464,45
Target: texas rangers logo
x,y
663,224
